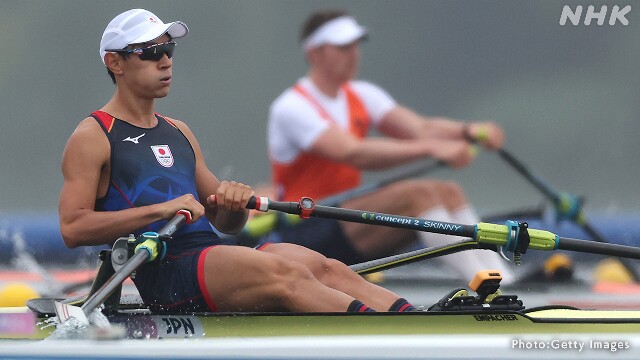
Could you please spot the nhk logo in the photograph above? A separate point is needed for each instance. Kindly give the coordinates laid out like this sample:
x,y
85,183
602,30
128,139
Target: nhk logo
x,y
616,15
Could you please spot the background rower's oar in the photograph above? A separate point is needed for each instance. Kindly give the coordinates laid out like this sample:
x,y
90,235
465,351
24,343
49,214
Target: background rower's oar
x,y
368,188
514,237
264,224
147,250
567,206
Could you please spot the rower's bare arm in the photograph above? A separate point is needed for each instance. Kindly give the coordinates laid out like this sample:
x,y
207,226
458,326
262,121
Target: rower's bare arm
x,y
374,153
231,217
85,164
231,200
403,123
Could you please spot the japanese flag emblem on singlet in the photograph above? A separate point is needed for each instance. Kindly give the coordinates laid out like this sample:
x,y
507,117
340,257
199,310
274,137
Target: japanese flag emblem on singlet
x,y
163,155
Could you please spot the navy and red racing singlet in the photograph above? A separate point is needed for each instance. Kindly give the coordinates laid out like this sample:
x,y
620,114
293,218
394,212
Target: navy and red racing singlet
x,y
149,166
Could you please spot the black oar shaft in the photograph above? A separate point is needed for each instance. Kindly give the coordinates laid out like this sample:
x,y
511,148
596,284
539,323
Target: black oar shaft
x,y
485,234
534,180
554,196
255,228
365,189
592,247
373,218
622,257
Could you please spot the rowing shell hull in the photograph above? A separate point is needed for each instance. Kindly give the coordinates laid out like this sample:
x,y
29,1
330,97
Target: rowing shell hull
x,y
535,321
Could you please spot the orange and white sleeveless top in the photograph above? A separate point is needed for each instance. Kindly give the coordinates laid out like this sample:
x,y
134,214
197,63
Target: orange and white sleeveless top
x,y
301,115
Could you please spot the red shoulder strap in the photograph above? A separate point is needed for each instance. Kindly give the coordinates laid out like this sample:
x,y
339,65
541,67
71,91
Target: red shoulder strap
x,y
359,121
167,120
323,113
104,119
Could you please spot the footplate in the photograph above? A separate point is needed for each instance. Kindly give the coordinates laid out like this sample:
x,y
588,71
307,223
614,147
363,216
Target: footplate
x,y
489,298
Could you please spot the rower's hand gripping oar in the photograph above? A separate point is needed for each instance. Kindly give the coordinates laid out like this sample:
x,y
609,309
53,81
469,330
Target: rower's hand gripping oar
x,y
514,237
150,246
567,206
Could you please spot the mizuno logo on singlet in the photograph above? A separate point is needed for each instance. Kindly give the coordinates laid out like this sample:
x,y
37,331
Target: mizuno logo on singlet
x,y
135,139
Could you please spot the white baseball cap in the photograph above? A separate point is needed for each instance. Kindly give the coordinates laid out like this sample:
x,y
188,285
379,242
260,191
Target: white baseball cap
x,y
342,30
137,26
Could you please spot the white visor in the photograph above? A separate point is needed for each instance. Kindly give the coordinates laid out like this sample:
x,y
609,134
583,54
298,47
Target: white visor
x,y
137,26
339,31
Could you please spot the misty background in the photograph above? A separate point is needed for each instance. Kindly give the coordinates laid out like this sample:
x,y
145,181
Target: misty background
x,y
566,96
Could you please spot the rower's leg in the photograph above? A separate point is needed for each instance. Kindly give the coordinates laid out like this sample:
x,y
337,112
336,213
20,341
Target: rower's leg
x,y
243,279
336,275
490,259
427,199
404,198
456,208
464,264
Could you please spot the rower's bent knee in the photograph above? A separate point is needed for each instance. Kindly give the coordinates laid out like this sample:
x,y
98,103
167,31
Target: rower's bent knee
x,y
453,193
332,272
421,195
287,278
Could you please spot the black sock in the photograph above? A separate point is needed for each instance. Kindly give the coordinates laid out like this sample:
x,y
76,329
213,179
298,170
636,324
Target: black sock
x,y
402,305
357,306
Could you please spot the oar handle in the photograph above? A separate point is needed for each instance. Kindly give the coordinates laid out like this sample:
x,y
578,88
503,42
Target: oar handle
x,y
181,217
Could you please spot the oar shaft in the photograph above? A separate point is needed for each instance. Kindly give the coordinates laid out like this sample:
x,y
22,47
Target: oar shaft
x,y
511,236
175,223
131,265
372,218
266,223
116,279
534,180
578,217
365,189
393,261
592,247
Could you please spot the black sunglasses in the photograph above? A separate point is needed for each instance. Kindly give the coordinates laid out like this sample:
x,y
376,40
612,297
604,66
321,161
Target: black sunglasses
x,y
153,52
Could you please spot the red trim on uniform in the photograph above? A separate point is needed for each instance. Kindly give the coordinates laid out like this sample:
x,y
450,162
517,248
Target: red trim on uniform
x,y
167,120
404,307
261,247
201,282
363,308
106,119
115,186
323,113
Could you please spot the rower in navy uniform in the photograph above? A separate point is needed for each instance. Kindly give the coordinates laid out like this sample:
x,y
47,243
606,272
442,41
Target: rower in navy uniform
x,y
128,169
